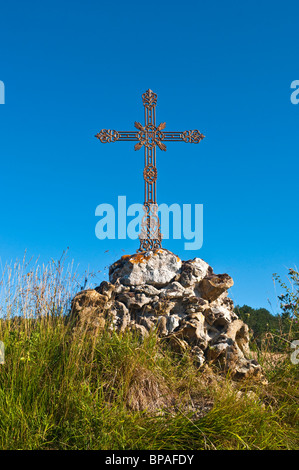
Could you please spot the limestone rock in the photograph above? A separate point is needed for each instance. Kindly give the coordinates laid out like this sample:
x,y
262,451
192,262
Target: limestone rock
x,y
106,289
174,290
162,326
214,285
157,268
177,344
198,355
147,323
173,321
140,330
193,330
184,302
193,271
88,308
119,315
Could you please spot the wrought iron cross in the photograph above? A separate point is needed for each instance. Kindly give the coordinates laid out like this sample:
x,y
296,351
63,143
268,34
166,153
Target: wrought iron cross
x,y
150,136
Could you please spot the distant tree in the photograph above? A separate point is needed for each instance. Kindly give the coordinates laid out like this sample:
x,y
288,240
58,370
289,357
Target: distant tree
x,y
289,304
281,329
260,321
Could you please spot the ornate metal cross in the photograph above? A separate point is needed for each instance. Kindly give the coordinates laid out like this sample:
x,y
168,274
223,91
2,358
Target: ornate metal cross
x,y
150,136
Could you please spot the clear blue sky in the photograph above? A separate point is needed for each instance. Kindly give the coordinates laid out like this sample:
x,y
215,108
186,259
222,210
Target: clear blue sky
x,y
71,68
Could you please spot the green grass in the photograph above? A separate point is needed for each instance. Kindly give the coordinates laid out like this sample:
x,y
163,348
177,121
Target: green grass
x,y
66,388
60,390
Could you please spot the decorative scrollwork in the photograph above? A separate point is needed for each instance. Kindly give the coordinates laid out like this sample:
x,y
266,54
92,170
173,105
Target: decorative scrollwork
x,y
193,137
150,136
149,245
150,173
160,135
107,136
139,126
150,235
149,99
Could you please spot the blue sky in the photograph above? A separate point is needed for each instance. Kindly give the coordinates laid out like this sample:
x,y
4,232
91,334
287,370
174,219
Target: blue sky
x,y
71,68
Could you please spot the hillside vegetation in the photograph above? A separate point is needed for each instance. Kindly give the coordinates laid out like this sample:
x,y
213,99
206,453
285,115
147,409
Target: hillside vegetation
x,y
66,388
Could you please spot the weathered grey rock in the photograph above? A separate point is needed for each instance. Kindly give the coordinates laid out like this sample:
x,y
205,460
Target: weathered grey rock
x,y
193,271
214,285
140,330
186,303
193,330
89,309
106,288
162,326
157,268
147,323
198,355
173,321
174,290
119,315
148,290
177,344
134,300
219,316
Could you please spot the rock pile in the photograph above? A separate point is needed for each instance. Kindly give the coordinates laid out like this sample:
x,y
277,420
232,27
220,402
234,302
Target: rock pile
x,y
183,301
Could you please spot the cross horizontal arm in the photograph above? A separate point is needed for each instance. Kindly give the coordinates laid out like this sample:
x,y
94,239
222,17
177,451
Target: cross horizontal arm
x,y
108,135
131,135
193,136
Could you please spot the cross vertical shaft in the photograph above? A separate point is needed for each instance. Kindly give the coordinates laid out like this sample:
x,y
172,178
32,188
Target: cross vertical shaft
x,y
150,235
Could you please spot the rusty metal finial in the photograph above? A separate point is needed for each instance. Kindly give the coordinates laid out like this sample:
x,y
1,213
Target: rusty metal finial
x,y
149,136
